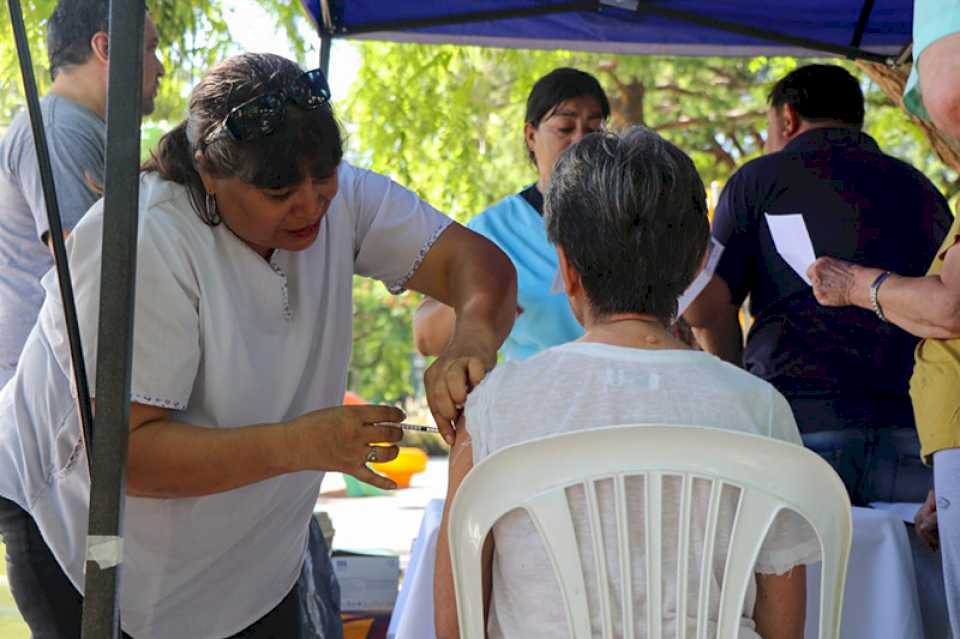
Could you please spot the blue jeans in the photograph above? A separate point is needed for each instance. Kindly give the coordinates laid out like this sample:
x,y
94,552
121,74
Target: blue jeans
x,y
875,464
873,446
45,596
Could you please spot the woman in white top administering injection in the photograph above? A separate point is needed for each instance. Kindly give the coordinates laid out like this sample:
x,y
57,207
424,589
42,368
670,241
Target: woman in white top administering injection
x,y
251,230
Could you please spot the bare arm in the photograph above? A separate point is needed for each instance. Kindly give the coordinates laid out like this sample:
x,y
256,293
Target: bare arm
x,y
49,242
924,306
169,459
433,326
939,70
444,594
470,274
715,321
781,608
467,272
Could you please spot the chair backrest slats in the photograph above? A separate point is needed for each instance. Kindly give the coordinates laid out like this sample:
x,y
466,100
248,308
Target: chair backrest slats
x,y
702,468
625,553
551,516
683,554
754,512
653,527
706,559
599,558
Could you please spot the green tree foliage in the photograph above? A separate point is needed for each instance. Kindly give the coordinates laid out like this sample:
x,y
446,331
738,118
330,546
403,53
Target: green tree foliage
x,y
193,36
447,122
381,369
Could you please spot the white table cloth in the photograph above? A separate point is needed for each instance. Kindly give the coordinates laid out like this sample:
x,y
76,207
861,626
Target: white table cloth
x,y
880,597
413,612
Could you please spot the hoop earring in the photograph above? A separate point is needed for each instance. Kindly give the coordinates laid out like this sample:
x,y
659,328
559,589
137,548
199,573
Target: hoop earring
x,y
213,215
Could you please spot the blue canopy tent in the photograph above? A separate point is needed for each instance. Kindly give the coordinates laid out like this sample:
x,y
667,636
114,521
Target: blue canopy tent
x,y
875,30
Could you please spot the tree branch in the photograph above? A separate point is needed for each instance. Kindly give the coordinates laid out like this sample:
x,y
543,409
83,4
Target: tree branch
x,y
736,143
689,123
736,81
722,155
672,88
609,70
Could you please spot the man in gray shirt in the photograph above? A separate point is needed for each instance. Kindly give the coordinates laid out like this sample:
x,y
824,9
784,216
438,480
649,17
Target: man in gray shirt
x,y
73,114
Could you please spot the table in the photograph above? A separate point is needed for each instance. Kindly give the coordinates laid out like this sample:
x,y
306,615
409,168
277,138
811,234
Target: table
x,y
413,612
880,597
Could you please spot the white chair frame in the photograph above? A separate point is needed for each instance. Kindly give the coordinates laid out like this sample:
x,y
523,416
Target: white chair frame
x,y
772,475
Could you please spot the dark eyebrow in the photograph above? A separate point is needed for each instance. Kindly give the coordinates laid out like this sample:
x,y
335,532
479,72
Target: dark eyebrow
x,y
597,115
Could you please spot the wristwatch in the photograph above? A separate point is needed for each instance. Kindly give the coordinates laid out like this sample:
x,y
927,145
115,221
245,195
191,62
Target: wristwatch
x,y
874,288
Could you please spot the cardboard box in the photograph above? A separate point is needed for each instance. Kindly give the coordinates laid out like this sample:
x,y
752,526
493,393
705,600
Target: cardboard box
x,y
369,581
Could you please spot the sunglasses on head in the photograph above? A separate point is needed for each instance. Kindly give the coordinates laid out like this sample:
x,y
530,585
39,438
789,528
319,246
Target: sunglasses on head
x,y
264,114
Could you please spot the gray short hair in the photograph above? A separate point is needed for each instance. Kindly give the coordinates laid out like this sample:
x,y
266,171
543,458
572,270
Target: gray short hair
x,y
630,213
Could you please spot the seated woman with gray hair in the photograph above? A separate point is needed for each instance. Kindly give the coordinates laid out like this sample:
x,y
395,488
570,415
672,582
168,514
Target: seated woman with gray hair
x,y
628,217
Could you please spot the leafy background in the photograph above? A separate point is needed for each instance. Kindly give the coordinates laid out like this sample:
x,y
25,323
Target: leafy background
x,y
446,121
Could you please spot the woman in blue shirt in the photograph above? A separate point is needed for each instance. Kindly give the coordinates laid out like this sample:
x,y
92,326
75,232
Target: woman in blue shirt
x,y
563,106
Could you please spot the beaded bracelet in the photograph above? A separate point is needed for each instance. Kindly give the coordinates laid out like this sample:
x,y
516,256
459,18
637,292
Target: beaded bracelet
x,y
874,289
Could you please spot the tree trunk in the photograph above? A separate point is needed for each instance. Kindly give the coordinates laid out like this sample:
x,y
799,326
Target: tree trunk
x,y
627,105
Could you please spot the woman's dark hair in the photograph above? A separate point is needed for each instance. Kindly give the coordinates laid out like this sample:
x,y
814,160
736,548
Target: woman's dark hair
x,y
821,92
630,213
557,87
308,142
70,28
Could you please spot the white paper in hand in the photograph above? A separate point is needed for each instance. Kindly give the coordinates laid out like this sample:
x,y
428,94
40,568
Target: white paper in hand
x,y
793,243
714,251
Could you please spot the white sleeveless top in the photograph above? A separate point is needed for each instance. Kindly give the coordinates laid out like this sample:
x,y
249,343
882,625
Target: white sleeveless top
x,y
578,386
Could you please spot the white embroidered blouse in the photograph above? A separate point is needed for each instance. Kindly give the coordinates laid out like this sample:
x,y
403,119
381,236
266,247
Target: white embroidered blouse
x,y
223,338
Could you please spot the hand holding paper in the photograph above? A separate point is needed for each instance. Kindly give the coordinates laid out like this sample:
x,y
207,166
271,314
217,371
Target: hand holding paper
x,y
793,243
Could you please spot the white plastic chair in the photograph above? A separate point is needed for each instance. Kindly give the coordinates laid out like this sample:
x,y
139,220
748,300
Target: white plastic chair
x,y
772,475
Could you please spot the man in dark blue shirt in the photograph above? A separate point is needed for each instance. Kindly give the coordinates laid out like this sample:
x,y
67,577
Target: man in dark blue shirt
x,y
844,371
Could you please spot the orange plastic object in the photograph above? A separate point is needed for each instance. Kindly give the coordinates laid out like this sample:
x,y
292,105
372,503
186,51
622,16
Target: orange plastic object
x,y
357,628
365,625
352,399
408,463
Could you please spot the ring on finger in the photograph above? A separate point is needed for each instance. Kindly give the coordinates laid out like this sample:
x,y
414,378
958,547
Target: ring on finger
x,y
372,455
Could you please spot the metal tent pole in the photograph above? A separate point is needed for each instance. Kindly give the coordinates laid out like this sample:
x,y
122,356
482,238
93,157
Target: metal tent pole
x,y
862,21
53,223
853,53
325,27
101,618
472,16
325,43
